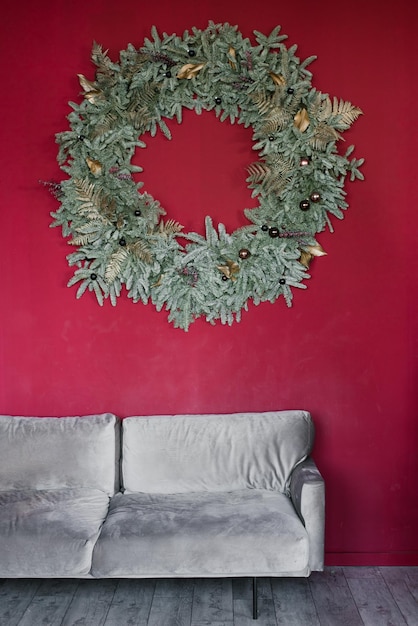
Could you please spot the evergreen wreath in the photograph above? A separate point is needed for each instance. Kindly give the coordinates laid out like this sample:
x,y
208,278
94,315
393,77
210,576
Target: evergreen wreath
x,y
119,233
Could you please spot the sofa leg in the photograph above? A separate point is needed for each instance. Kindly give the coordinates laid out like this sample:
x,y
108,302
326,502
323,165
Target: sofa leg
x,y
255,610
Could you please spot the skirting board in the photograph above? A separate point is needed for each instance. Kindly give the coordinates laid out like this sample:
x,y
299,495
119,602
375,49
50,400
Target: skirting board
x,y
409,558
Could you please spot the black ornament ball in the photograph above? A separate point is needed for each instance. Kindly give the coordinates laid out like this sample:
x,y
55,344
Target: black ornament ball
x,y
273,232
264,228
93,276
191,52
304,205
271,137
122,241
81,137
290,90
315,196
282,281
244,253
168,74
304,161
138,212
224,278
218,100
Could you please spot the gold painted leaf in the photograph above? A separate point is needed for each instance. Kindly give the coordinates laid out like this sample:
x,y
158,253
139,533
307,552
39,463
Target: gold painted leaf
x,y
301,120
305,258
190,70
94,166
316,250
91,90
232,57
277,79
230,269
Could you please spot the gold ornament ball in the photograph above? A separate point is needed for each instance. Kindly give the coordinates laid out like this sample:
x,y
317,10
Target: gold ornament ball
x,y
244,253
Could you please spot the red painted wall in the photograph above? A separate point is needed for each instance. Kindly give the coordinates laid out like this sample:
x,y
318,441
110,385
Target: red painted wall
x,y
346,350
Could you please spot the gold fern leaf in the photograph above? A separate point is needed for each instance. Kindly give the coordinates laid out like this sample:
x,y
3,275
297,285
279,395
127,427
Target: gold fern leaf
x,y
107,207
344,114
140,118
102,61
323,107
278,175
134,62
262,101
104,126
323,135
171,227
337,113
142,107
272,176
90,227
97,53
84,240
257,172
140,250
93,203
277,119
115,265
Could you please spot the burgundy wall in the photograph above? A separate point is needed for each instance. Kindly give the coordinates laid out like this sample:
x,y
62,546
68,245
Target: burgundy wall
x,y
346,350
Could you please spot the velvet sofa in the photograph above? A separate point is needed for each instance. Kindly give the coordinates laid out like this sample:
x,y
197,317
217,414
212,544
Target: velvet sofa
x,y
160,496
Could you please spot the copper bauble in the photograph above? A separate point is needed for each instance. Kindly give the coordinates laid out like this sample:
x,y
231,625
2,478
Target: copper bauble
x,y
244,253
315,196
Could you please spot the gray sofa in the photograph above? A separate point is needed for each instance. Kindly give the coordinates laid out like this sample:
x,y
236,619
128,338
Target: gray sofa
x,y
161,496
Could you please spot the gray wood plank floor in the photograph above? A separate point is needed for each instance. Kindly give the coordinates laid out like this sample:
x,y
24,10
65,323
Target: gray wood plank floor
x,y
340,596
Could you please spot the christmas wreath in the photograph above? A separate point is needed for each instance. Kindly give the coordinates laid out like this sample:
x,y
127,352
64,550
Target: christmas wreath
x,y
119,233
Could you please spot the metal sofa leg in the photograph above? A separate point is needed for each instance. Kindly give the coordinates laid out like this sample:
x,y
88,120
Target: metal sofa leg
x,y
255,610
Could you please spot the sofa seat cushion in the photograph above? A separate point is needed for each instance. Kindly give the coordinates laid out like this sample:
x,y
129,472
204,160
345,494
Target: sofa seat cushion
x,y
243,533
49,533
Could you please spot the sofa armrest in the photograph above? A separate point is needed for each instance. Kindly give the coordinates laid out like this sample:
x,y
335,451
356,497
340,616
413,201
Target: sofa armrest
x,y
307,492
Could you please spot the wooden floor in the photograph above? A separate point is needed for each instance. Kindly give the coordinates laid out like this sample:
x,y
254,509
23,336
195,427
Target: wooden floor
x,y
340,596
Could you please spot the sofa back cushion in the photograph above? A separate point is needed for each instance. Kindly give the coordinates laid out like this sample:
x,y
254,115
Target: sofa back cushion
x,y
184,453
56,453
